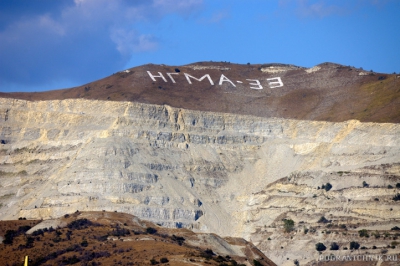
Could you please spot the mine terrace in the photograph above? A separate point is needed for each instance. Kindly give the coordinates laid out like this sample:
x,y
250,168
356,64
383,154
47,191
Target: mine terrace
x,y
254,84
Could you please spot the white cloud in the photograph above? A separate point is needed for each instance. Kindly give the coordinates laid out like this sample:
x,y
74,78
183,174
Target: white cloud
x,y
319,9
216,17
75,40
129,41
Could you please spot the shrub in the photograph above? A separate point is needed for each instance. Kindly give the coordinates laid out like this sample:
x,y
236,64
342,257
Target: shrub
x,y
396,228
363,233
178,239
9,237
365,184
151,230
79,224
153,262
390,186
398,185
334,246
320,247
288,224
38,232
164,260
323,220
376,234
256,263
354,245
328,186
84,243
71,260
397,197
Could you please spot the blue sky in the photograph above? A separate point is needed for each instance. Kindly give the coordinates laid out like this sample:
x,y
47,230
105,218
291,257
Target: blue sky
x,y
47,44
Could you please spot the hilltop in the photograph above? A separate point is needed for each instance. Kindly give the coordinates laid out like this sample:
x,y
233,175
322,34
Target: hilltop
x,y
326,92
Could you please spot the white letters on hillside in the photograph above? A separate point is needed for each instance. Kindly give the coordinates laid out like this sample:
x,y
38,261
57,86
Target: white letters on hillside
x,y
275,84
200,79
223,78
254,84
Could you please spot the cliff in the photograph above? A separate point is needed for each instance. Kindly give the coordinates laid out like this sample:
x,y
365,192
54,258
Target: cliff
x,y
231,174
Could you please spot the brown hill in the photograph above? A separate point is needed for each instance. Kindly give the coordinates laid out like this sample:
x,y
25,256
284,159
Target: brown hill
x,y
329,92
107,238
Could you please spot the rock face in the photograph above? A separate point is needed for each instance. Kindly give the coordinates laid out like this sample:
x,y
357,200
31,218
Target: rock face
x,y
231,174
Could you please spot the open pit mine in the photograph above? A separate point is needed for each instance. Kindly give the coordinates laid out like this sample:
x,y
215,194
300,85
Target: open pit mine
x,y
283,156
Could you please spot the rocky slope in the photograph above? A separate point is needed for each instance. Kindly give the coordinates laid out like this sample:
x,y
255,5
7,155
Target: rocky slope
x,y
104,238
235,175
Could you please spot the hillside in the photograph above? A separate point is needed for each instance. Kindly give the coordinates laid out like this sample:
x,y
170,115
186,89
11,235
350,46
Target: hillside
x,y
326,92
104,238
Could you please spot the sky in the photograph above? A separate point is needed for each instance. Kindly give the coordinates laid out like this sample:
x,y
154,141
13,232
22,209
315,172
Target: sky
x,y
47,44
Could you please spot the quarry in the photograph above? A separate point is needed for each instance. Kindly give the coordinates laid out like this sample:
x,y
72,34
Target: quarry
x,y
229,166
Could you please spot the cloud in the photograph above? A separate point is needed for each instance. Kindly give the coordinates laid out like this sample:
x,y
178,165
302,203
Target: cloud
x,y
129,42
80,41
326,8
319,9
216,17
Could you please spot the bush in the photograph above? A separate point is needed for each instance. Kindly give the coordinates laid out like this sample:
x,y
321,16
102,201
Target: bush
x,y
323,220
9,237
396,228
84,243
178,239
153,262
363,233
397,197
354,245
334,246
328,186
365,184
398,185
164,260
151,230
390,186
320,247
79,224
288,224
257,263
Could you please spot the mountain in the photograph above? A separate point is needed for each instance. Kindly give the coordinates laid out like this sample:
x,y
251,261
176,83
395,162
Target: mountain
x,y
326,92
281,166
